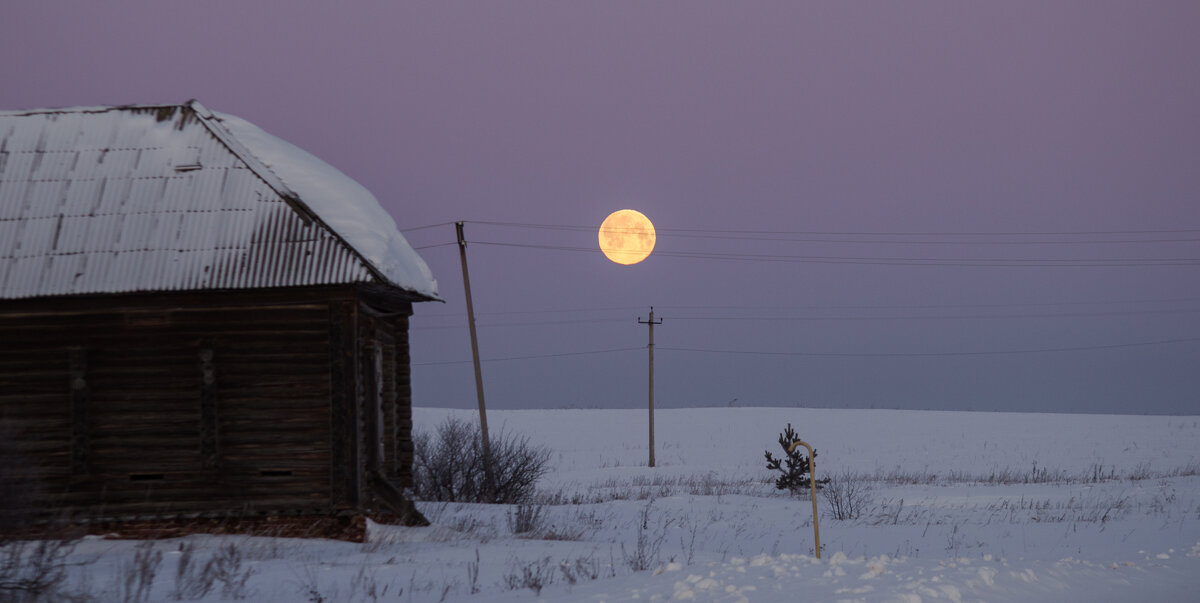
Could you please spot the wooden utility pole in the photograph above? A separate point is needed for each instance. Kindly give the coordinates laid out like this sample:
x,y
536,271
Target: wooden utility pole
x,y
462,254
650,323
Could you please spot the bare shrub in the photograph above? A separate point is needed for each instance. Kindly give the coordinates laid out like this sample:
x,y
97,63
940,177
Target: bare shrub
x,y
310,586
137,575
580,569
645,553
526,519
848,495
534,575
473,574
688,547
34,570
450,465
572,533
365,586
226,566
193,581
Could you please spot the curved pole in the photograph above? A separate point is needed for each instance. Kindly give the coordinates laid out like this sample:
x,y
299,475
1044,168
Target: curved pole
x,y
812,480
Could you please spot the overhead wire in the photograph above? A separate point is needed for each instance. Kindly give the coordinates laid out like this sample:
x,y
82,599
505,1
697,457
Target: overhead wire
x,y
946,316
778,318
889,260
1174,231
933,354
534,356
793,307
969,353
522,324
435,245
894,238
427,226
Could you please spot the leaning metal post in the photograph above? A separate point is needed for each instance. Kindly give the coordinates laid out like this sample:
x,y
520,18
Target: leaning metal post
x,y
812,479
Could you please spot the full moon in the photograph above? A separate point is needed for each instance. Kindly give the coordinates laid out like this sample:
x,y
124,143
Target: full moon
x,y
627,236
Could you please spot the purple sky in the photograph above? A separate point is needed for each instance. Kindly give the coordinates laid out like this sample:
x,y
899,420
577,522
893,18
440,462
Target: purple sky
x,y
826,124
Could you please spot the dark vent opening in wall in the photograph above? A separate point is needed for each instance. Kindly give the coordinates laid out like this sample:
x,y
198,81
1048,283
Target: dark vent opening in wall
x,y
274,473
142,477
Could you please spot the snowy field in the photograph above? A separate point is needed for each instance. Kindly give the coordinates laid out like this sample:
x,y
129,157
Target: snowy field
x,y
955,506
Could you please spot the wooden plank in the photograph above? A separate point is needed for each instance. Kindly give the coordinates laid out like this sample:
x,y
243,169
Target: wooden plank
x,y
161,379
209,421
402,475
341,419
80,407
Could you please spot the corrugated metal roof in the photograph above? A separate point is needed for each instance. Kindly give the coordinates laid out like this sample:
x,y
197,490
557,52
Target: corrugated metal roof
x,y
162,198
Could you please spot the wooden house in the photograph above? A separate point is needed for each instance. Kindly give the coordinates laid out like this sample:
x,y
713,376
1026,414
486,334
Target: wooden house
x,y
197,319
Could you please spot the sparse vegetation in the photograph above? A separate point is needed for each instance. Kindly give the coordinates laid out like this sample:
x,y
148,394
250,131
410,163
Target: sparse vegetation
x,y
35,570
451,465
137,574
526,519
534,575
623,520
645,552
193,581
794,465
847,495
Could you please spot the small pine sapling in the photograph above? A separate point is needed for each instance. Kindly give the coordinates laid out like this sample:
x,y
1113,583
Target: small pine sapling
x,y
795,476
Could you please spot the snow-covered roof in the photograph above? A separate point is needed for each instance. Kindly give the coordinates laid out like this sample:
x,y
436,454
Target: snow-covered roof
x,y
175,197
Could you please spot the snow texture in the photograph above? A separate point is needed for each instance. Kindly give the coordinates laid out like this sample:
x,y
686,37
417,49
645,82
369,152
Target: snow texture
x,y
966,507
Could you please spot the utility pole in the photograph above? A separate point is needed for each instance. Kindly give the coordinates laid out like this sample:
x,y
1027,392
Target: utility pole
x,y
650,323
462,254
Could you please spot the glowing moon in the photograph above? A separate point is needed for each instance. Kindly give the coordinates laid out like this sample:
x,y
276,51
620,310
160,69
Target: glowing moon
x,y
627,236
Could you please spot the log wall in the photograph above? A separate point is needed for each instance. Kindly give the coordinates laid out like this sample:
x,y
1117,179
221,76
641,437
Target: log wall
x,y
211,404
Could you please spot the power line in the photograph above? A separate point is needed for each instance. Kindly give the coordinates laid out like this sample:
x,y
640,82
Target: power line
x,y
891,261
528,324
427,226
835,354
859,233
435,245
1188,300
803,237
935,354
832,318
506,358
946,316
509,312
740,308
791,317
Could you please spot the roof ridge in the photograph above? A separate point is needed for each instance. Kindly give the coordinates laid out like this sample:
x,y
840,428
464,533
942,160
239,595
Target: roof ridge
x,y
89,108
262,170
213,123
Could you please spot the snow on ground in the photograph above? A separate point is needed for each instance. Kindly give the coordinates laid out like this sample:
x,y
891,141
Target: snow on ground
x,y
959,507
